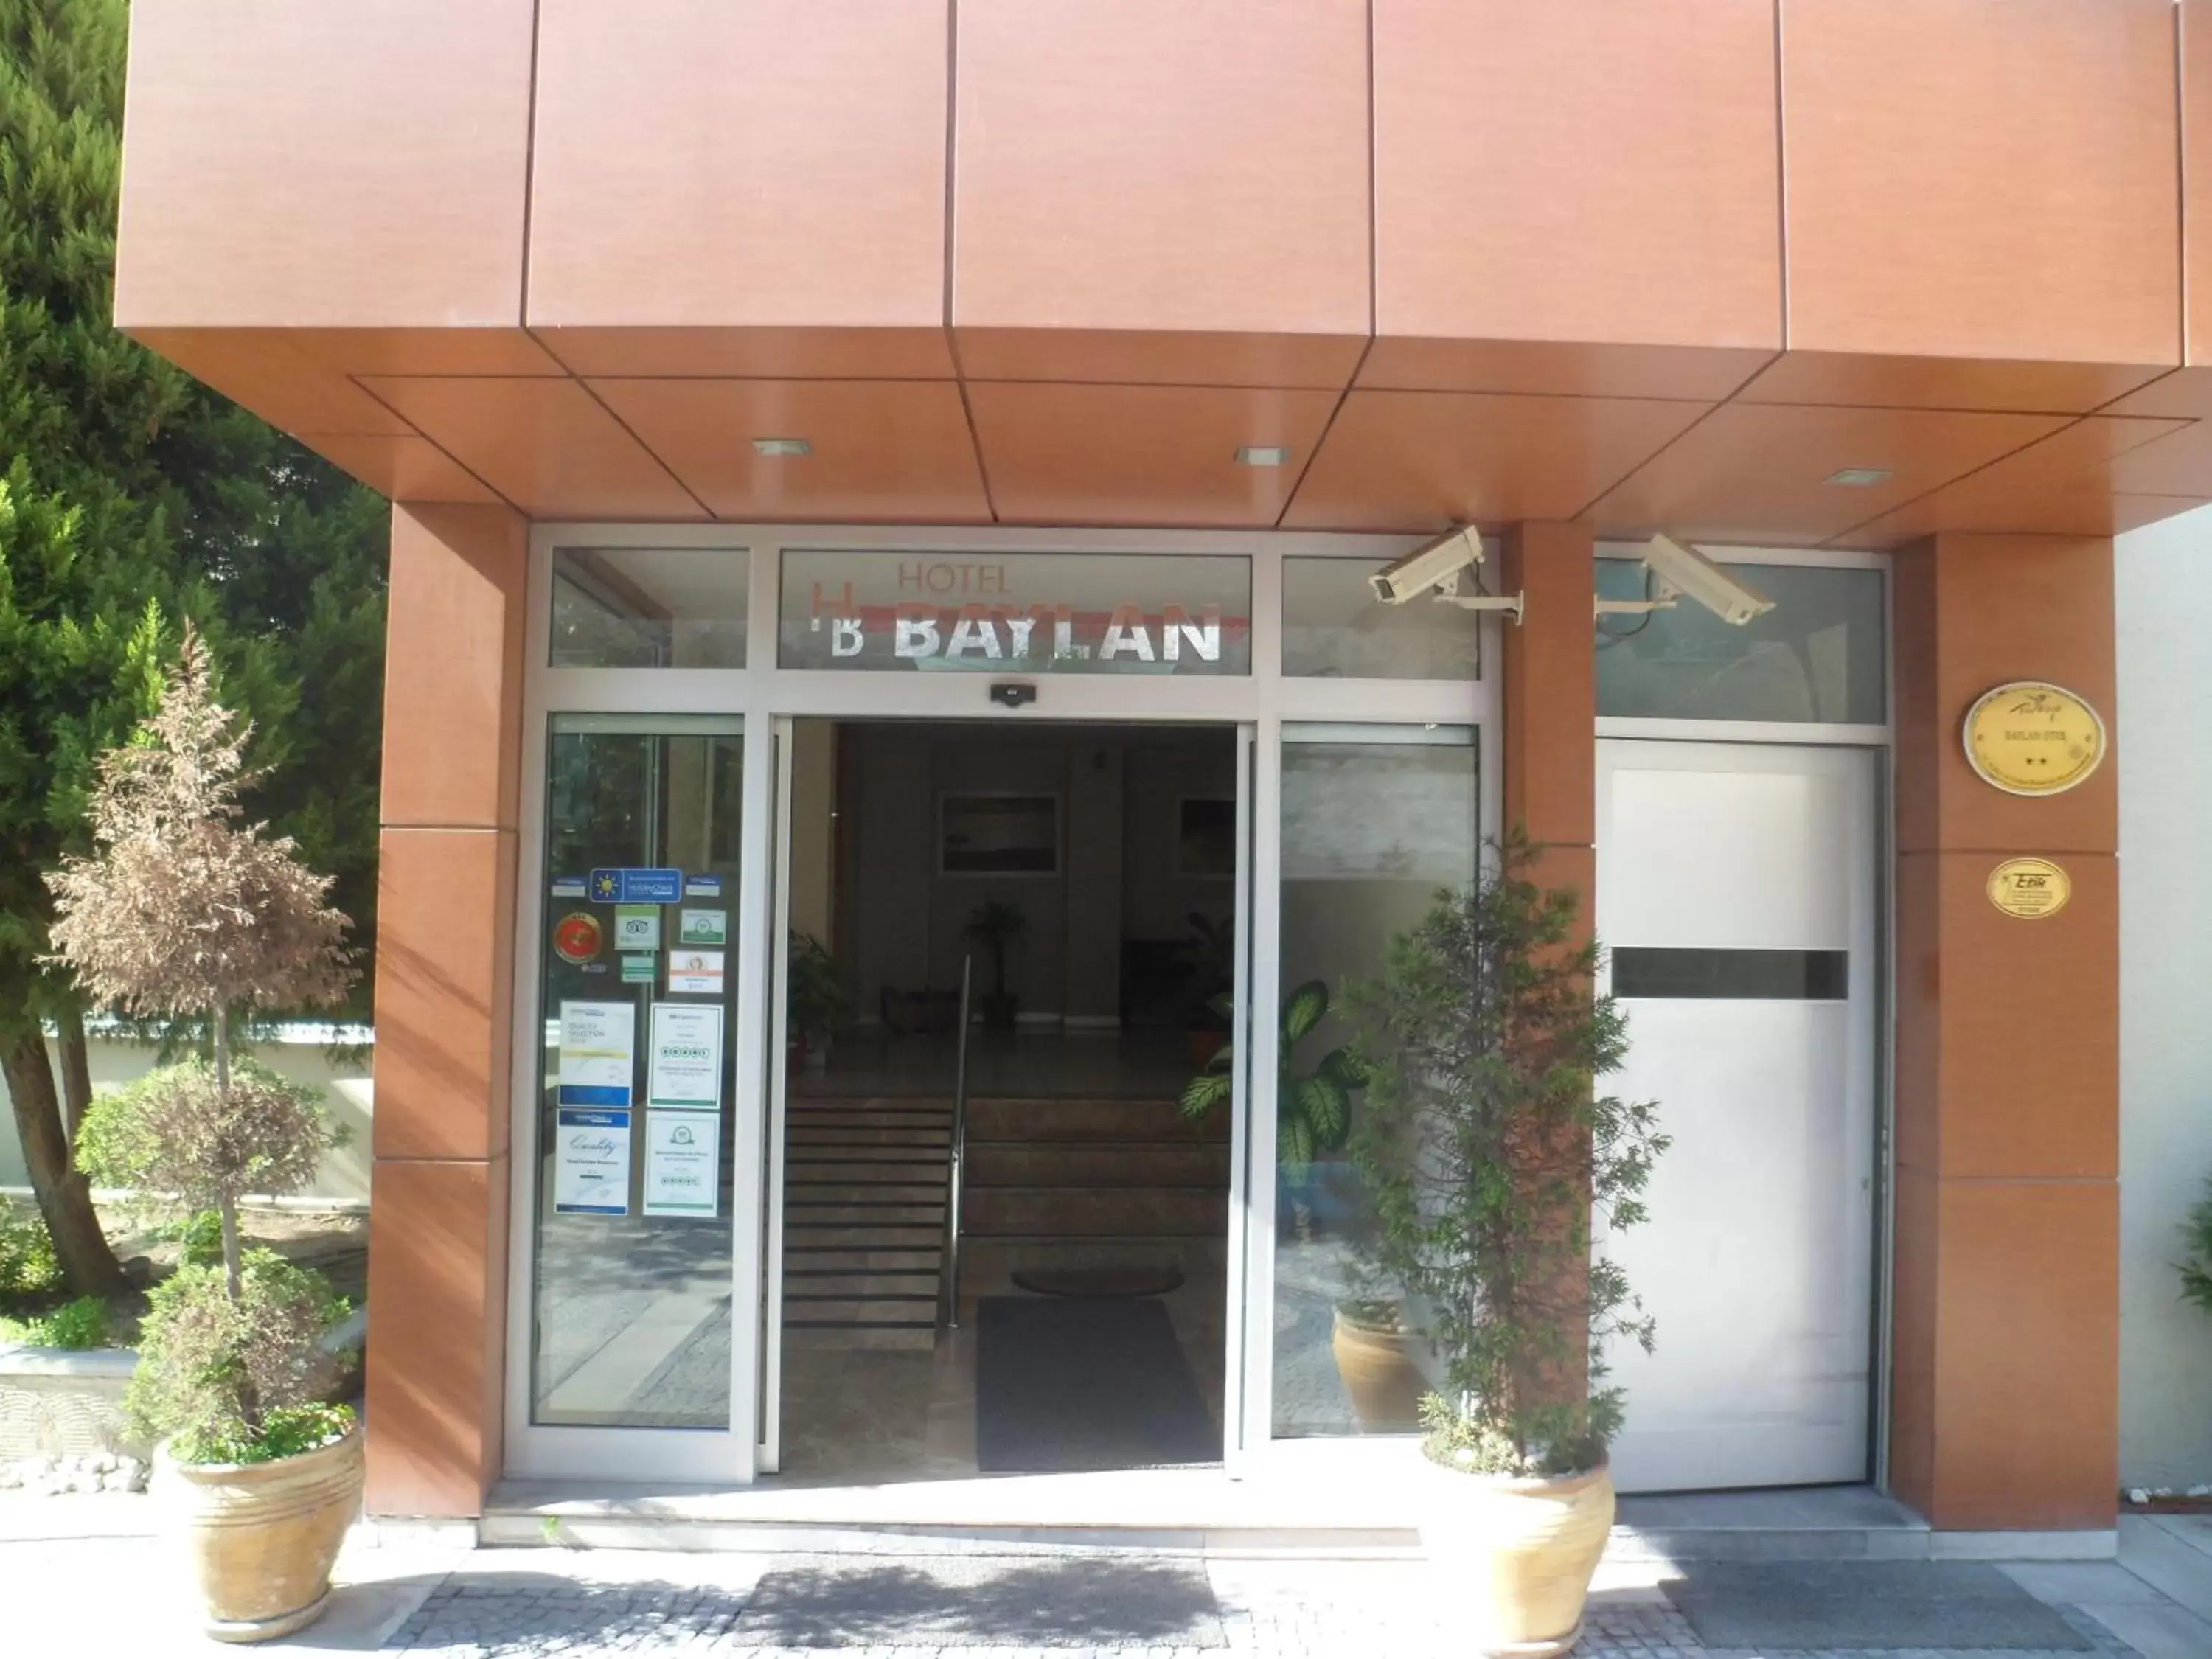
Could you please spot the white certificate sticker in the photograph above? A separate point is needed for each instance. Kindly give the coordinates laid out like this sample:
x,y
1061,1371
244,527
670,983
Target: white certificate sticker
x,y
591,1163
686,1072
695,973
637,927
681,1150
598,1051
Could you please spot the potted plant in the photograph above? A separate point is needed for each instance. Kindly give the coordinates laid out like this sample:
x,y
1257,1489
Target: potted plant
x,y
815,998
995,924
1210,958
1369,1339
1485,1149
182,912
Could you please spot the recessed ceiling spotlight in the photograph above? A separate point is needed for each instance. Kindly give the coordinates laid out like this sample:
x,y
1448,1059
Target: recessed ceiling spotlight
x,y
1263,455
774,447
1860,478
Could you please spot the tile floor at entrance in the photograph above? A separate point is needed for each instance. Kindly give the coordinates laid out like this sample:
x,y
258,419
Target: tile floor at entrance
x,y
866,1416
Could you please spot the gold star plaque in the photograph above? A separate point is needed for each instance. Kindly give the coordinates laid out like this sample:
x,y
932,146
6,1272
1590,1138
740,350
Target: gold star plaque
x,y
2029,738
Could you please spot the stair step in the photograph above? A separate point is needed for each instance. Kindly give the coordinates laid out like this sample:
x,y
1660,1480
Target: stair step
x,y
1075,1211
859,1310
1098,1163
797,1194
1028,1122
797,1135
798,1285
855,1258
863,1164
863,1215
844,1236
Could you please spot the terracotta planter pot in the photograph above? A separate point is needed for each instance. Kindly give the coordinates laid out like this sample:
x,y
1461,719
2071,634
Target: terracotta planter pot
x,y
1376,1363
1518,1554
263,1536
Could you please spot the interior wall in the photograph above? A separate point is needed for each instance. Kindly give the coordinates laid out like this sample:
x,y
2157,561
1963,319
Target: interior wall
x,y
2163,614
813,826
1163,769
902,924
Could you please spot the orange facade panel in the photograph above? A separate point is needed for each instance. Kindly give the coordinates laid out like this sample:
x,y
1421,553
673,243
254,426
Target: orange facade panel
x,y
1422,460
1146,166
343,166
1579,171
705,167
1989,179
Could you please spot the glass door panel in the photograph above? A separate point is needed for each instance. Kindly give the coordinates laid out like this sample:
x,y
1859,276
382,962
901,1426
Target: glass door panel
x,y
631,1303
1375,820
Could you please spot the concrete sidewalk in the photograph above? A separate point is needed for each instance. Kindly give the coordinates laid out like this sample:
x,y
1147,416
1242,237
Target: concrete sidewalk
x,y
86,1577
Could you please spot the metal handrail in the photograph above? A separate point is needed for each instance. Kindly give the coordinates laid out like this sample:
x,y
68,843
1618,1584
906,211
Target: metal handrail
x,y
948,1307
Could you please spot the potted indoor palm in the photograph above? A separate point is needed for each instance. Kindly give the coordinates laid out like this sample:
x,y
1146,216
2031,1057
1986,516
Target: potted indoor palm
x,y
1369,1337
1486,1148
184,913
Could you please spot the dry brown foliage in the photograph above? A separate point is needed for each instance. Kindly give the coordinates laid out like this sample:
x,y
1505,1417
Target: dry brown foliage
x,y
183,910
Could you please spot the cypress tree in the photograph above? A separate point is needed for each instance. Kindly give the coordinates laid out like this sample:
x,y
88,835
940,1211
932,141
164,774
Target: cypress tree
x,y
132,499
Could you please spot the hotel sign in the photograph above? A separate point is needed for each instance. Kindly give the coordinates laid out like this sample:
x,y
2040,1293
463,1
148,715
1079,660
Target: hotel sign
x,y
1028,613
2028,737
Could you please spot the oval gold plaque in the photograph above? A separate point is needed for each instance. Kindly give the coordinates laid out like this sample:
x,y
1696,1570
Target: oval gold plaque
x,y
2029,738
2029,888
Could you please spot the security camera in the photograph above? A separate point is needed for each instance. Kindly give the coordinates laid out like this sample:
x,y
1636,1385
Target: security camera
x,y
1426,569
1683,570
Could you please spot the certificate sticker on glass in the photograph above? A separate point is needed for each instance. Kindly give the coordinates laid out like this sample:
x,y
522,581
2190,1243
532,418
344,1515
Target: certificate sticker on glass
x,y
591,1163
702,927
682,1164
686,1069
695,973
598,1053
637,927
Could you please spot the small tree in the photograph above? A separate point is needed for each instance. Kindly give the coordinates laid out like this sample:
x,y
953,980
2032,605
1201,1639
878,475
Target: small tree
x,y
1484,1147
184,912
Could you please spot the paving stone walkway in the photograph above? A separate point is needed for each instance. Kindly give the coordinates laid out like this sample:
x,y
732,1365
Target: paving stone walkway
x,y
931,1604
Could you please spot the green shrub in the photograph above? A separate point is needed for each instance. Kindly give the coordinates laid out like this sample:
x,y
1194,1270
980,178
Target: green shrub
x,y
82,1323
227,1377
201,1235
178,1130
28,1266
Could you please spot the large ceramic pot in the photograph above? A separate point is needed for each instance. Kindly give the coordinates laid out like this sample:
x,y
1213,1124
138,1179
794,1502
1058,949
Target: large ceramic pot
x,y
262,1537
1376,1363
1519,1554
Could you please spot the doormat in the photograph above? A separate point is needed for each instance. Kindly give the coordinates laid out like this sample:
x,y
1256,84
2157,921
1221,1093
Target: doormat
x,y
969,1601
1126,1278
1084,1382
1964,1605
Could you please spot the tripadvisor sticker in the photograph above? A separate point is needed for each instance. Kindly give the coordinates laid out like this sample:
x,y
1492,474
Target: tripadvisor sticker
x,y
2030,888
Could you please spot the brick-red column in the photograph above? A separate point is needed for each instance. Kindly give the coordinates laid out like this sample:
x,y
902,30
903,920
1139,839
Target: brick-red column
x,y
1548,689
2005,1371
438,1214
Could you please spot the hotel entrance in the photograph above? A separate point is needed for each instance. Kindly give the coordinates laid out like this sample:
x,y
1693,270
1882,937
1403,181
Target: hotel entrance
x,y
932,948
1003,1239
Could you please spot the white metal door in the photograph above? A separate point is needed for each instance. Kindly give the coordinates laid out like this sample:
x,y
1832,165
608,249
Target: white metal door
x,y
1736,900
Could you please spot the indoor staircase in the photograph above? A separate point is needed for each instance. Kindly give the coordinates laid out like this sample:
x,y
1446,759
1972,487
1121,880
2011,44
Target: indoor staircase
x,y
1050,1183
864,1221
1089,1183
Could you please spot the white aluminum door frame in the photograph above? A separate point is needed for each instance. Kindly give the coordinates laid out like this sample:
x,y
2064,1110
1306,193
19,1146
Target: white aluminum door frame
x,y
767,695
1862,766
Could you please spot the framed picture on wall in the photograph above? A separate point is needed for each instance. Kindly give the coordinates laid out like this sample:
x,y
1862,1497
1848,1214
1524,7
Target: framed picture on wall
x,y
998,835
1206,837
